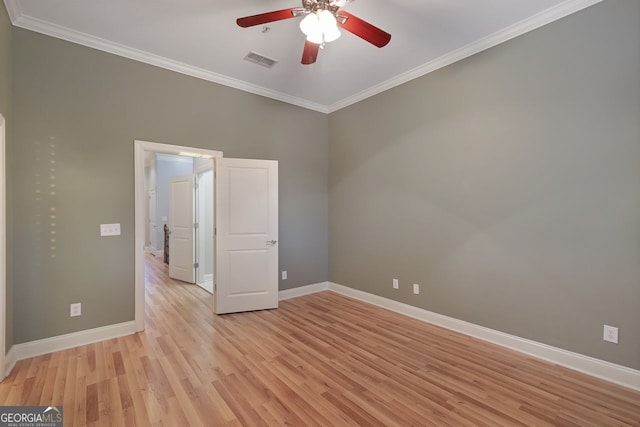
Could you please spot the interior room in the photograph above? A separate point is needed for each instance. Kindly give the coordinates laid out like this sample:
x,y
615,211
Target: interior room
x,y
458,212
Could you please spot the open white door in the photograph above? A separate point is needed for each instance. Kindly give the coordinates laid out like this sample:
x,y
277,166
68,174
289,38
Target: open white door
x,y
181,229
247,235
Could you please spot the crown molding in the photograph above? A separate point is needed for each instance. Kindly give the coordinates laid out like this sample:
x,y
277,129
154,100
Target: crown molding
x,y
545,17
43,27
13,10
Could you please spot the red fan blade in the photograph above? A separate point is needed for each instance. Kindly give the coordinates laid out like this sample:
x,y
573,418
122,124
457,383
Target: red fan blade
x,y
363,29
263,18
310,52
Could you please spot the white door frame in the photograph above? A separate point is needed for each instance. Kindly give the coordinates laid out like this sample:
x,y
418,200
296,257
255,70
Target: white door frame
x,y
139,241
3,249
202,224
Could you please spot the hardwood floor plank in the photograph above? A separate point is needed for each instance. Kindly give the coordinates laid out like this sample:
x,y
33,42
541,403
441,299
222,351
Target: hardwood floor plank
x,y
92,412
245,413
352,410
318,360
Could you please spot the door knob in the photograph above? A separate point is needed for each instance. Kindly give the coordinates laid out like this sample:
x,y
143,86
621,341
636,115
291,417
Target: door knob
x,y
271,242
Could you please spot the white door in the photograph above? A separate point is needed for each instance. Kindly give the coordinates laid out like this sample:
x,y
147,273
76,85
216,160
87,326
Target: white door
x,y
181,229
247,235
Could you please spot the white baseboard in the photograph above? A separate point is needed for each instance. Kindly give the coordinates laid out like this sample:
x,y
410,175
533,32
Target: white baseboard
x,y
9,362
75,339
302,290
595,367
598,368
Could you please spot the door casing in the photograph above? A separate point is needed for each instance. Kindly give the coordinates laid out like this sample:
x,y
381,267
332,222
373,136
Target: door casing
x,y
3,249
205,208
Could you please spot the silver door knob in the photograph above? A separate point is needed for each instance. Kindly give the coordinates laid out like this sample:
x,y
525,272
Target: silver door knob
x,y
271,242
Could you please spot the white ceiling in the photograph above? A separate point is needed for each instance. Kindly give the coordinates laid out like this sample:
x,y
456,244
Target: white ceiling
x,y
200,38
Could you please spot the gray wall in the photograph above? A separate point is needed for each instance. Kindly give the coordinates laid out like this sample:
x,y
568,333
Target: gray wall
x,y
507,185
6,110
77,112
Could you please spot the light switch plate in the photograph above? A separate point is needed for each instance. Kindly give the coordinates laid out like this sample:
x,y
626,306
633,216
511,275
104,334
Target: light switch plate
x,y
109,229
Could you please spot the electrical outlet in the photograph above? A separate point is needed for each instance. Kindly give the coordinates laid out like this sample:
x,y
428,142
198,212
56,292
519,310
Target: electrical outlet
x,y
416,288
610,334
75,309
395,284
284,275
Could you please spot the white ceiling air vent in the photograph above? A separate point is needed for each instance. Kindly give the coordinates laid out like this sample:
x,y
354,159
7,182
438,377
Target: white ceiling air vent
x,y
256,58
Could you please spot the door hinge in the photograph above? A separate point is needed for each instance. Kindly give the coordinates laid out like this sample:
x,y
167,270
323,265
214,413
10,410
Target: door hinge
x,y
195,225
196,265
195,185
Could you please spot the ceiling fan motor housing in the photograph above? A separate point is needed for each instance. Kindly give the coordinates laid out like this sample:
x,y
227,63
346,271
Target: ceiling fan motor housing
x,y
344,20
315,6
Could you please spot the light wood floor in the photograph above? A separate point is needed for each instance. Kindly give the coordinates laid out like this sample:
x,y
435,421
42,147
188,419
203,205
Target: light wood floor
x,y
321,360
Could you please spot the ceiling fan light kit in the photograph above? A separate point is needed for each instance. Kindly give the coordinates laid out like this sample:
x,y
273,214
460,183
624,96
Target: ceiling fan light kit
x,y
320,25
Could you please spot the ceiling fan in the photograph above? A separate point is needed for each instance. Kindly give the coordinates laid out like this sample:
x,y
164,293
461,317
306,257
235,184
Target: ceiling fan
x,y
320,25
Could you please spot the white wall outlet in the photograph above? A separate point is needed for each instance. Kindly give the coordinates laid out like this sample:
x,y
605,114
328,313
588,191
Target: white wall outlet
x,y
109,229
75,309
416,288
284,274
396,285
610,334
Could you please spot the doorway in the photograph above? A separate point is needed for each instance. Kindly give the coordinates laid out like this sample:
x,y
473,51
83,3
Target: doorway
x,y
142,210
180,215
